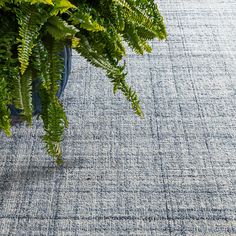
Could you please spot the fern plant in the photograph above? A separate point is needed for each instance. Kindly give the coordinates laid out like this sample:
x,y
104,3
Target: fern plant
x,y
34,32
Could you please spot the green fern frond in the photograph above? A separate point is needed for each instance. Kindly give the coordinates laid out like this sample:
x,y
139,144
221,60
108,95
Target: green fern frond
x,y
56,63
60,29
131,36
61,6
150,10
5,119
144,14
41,64
53,115
84,20
120,19
26,95
30,22
115,73
145,33
54,128
123,4
22,95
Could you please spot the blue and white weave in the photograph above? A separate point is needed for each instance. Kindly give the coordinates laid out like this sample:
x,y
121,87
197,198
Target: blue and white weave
x,y
170,174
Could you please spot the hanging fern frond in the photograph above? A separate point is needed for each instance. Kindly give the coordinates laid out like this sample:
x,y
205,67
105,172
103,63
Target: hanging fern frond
x,y
152,16
8,69
60,29
26,95
123,4
131,36
41,64
22,95
144,14
53,115
5,119
55,122
30,22
83,18
115,73
56,63
120,18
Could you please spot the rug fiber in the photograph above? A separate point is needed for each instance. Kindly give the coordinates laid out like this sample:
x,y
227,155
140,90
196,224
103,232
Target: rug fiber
x,y
172,173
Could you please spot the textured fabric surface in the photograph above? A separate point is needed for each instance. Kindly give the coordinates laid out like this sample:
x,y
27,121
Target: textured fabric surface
x,y
172,173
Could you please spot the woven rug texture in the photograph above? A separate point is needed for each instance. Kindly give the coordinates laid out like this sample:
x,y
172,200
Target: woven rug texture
x,y
172,173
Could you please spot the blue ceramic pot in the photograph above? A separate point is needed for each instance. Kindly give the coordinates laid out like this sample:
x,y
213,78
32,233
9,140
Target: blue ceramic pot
x,y
66,55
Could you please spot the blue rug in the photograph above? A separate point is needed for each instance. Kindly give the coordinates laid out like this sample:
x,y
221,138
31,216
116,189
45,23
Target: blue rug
x,y
172,173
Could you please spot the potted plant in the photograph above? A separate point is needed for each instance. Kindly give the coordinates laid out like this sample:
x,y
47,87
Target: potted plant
x,y
34,34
